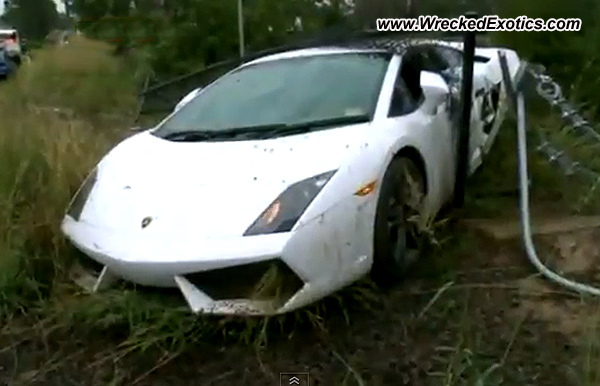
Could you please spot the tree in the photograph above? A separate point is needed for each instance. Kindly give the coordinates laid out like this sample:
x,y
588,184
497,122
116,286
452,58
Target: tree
x,y
33,18
184,35
367,11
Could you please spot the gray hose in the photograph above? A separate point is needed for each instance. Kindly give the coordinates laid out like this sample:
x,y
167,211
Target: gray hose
x,y
525,220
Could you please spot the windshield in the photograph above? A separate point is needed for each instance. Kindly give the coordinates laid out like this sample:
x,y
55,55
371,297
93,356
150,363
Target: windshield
x,y
286,93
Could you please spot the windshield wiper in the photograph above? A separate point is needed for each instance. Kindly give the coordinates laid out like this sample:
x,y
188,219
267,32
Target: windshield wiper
x,y
308,126
188,135
203,135
263,131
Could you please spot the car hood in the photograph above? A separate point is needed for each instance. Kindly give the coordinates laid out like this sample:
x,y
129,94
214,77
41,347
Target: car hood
x,y
212,189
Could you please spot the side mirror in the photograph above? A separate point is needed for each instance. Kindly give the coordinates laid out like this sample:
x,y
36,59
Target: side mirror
x,y
433,84
435,89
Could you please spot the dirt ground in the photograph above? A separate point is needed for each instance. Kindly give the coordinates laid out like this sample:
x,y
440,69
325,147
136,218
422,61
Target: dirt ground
x,y
452,321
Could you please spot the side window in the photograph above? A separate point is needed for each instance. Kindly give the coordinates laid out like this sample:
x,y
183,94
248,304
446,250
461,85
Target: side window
x,y
433,61
452,57
403,102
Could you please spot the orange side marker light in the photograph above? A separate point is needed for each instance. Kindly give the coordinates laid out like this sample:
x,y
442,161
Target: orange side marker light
x,y
366,189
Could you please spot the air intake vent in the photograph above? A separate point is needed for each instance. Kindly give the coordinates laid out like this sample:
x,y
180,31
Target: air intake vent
x,y
267,280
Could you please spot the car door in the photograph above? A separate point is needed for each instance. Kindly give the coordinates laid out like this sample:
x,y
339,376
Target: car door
x,y
429,128
448,62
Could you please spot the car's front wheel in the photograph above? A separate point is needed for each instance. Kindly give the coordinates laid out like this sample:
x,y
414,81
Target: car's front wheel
x,y
398,240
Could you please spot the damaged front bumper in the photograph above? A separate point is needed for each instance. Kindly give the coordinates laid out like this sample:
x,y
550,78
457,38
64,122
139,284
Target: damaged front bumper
x,y
252,275
243,276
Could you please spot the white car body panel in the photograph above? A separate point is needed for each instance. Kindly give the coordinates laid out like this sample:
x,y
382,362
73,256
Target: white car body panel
x,y
202,196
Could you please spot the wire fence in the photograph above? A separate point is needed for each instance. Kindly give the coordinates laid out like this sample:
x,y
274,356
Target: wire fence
x,y
550,91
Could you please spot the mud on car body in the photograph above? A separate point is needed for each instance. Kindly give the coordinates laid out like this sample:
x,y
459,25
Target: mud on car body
x,y
287,178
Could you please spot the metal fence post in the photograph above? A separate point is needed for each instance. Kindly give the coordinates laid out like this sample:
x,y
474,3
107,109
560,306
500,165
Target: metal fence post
x,y
463,153
241,27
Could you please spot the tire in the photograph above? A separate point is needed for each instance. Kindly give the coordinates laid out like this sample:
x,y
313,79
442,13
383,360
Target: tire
x,y
398,243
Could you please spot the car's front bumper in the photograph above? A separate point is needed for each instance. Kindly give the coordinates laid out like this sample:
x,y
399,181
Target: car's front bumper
x,y
174,261
151,261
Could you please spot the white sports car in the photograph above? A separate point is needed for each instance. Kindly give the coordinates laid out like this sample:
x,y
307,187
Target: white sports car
x,y
289,177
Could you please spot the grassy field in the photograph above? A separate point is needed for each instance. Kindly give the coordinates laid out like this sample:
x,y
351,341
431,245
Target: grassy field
x,y
474,312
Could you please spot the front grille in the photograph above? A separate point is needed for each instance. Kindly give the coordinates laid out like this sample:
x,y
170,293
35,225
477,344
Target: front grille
x,y
267,280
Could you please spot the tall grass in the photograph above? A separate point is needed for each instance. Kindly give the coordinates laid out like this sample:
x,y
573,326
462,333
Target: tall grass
x,y
61,113
82,76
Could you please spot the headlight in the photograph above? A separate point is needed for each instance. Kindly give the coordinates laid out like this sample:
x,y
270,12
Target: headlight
x,y
80,198
285,211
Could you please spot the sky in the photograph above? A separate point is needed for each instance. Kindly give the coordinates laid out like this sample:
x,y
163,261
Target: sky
x,y
59,6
